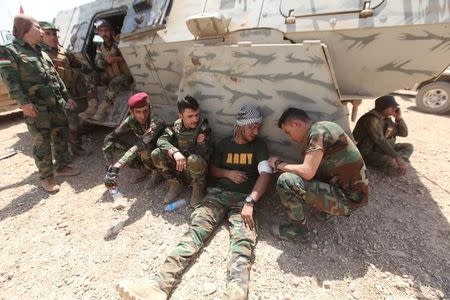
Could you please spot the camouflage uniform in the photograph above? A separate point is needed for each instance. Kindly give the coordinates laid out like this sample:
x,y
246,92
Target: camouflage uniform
x,y
194,144
224,199
376,138
142,150
66,65
32,79
117,75
340,184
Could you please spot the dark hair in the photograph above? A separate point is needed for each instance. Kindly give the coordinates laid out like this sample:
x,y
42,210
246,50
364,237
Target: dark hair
x,y
293,114
187,102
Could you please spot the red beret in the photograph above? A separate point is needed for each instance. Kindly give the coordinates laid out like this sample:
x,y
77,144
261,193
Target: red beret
x,y
138,100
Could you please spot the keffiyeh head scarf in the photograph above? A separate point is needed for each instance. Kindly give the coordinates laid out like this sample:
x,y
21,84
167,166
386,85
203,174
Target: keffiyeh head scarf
x,y
249,114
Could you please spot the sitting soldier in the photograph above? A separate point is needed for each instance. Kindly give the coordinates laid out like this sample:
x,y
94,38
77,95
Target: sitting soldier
x,y
183,151
147,129
109,59
375,133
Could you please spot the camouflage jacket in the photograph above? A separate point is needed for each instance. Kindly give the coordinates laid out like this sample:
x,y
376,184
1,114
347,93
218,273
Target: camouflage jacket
x,y
188,141
146,138
113,69
30,75
374,133
342,165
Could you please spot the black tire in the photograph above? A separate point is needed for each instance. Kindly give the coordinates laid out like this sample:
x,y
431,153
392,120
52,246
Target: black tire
x,y
434,97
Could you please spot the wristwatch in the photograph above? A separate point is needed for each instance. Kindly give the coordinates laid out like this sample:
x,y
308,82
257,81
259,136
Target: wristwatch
x,y
249,201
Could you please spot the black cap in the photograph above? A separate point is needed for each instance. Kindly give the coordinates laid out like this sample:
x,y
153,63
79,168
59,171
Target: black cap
x,y
384,102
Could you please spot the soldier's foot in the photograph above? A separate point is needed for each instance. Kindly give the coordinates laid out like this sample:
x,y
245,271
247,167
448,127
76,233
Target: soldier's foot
x,y
143,173
49,185
102,111
67,171
78,150
155,179
90,110
323,216
175,188
291,232
198,193
140,289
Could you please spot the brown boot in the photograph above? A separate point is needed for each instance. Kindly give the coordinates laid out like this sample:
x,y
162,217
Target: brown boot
x,y
143,173
140,289
49,185
102,111
90,110
155,179
198,193
175,187
67,171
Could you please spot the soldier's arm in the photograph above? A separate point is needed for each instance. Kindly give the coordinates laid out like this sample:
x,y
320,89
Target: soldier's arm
x,y
166,142
306,170
402,129
374,129
128,156
10,74
100,61
204,145
111,139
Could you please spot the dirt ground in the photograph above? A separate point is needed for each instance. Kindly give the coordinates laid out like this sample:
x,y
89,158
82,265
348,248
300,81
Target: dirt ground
x,y
56,247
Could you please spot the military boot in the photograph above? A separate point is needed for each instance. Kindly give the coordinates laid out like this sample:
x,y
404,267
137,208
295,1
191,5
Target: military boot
x,y
175,187
49,185
291,232
102,111
198,193
140,289
90,110
67,171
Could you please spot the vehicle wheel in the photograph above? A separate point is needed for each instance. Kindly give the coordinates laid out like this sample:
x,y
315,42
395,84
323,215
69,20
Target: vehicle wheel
x,y
434,97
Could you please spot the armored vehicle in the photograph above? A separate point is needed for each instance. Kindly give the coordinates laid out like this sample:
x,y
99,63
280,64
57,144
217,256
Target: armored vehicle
x,y
276,53
7,105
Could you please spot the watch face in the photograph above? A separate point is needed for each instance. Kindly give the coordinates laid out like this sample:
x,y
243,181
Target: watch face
x,y
248,199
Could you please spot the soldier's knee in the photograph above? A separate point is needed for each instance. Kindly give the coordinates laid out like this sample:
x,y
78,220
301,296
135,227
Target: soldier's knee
x,y
157,155
287,181
196,163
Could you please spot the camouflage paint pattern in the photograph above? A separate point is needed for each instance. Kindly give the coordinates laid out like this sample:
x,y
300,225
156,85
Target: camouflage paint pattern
x,y
32,79
146,135
204,220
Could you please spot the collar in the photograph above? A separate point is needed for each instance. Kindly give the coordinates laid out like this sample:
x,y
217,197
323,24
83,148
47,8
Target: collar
x,y
22,43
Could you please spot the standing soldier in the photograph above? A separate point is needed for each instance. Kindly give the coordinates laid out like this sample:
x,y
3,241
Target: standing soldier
x,y
35,84
183,151
109,59
146,128
66,65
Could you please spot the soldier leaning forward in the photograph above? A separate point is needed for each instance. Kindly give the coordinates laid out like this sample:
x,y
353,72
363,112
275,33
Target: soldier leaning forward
x,y
35,84
69,69
109,59
183,151
147,129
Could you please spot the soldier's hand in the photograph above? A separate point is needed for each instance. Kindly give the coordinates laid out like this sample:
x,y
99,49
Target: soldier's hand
x,y
111,177
180,159
29,110
397,114
237,177
402,166
71,104
272,161
247,216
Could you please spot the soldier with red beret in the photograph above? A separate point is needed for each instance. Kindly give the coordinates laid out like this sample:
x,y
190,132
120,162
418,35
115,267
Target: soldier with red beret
x,y
147,129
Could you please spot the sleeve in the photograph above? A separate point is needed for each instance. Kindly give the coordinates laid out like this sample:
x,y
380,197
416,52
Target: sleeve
x,y
166,140
129,155
110,140
402,129
204,142
10,73
99,60
375,131
316,142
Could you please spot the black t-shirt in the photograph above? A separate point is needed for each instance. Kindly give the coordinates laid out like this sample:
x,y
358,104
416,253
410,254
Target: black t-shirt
x,y
241,157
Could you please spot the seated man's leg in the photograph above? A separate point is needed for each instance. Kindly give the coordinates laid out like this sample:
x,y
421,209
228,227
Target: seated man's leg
x,y
116,84
196,169
204,220
167,168
242,245
327,198
382,162
404,149
148,167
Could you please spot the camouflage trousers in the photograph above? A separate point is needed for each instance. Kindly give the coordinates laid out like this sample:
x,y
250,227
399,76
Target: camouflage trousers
x,y
195,171
49,131
114,86
385,162
295,192
205,218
